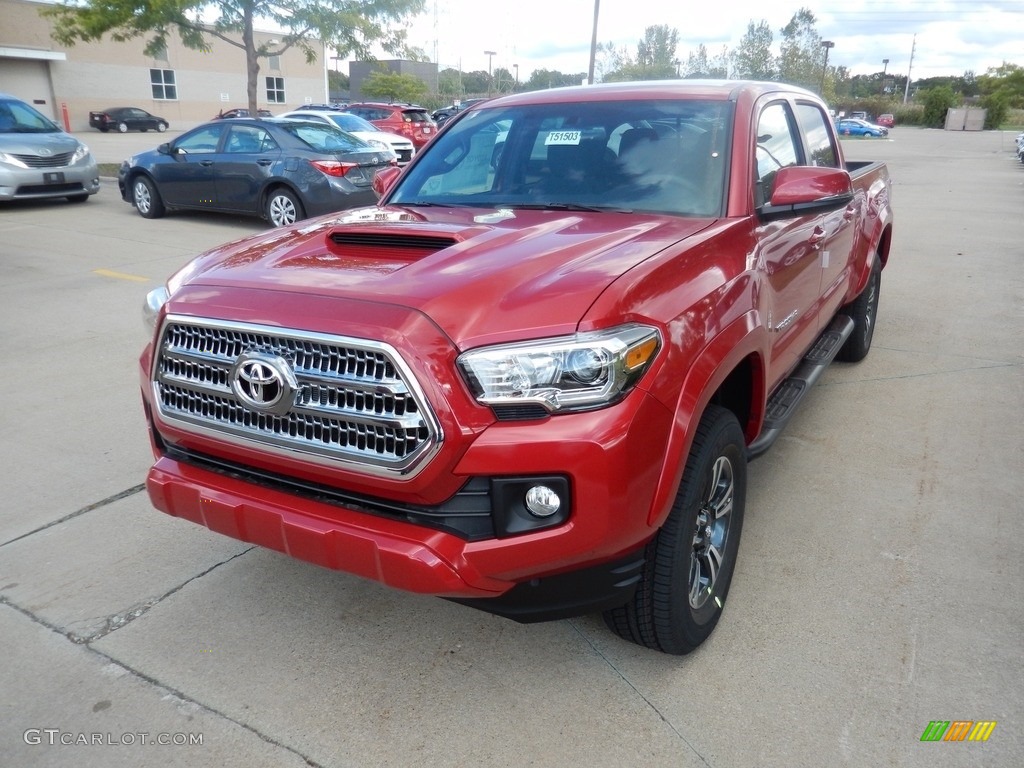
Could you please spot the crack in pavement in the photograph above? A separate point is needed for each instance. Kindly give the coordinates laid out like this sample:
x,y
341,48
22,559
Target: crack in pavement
x,y
96,505
180,695
637,691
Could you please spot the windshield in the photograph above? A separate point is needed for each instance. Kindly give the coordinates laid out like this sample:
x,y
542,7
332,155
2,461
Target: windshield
x,y
654,156
18,117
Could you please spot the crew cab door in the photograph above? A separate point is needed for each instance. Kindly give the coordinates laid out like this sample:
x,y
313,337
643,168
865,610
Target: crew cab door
x,y
836,251
788,250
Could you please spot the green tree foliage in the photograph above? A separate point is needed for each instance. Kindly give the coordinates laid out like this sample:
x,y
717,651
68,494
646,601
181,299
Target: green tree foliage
x,y
656,53
449,83
753,59
801,56
938,101
392,86
351,27
1006,82
551,78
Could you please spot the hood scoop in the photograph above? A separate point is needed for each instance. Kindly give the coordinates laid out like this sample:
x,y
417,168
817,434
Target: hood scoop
x,y
381,245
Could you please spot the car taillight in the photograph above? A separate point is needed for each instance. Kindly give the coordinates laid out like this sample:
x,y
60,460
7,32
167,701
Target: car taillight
x,y
333,167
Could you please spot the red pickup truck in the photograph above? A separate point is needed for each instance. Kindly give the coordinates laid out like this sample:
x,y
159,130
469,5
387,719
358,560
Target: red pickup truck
x,y
530,379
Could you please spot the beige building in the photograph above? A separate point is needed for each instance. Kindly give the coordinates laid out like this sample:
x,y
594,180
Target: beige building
x,y
184,86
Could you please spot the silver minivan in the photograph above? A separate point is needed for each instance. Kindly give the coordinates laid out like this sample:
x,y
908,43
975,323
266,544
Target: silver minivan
x,y
38,160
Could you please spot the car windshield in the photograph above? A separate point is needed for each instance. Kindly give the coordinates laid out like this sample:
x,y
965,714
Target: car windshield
x,y
654,156
325,138
18,117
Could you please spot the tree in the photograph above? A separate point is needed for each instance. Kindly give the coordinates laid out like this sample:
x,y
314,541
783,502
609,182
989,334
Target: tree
x,y
393,86
753,60
449,82
801,57
937,102
350,27
656,53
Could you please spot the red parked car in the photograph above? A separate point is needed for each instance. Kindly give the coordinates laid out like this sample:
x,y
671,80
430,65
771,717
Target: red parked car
x,y
404,119
886,121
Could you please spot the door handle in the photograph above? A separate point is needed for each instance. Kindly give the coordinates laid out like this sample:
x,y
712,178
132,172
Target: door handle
x,y
206,163
817,236
265,162
849,213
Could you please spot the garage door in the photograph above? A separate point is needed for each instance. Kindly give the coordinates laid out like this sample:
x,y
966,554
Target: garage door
x,y
29,80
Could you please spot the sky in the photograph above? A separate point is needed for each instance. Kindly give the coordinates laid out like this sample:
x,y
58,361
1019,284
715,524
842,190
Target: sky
x,y
952,36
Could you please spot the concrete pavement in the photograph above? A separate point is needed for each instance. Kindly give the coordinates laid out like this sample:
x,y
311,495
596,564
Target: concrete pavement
x,y
879,585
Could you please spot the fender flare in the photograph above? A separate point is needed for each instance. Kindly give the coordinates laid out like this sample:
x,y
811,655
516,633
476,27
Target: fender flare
x,y
745,338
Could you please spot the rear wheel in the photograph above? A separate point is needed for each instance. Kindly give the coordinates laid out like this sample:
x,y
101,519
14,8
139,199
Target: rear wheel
x,y
147,198
283,208
690,562
863,311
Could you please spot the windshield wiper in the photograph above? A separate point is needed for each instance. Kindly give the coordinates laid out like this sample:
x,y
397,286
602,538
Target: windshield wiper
x,y
569,207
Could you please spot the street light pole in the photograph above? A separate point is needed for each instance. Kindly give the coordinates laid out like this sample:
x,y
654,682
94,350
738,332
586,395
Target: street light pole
x,y
516,68
489,54
827,45
593,44
885,66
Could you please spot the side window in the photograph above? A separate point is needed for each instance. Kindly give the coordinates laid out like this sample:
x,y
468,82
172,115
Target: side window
x,y
820,150
776,148
248,139
202,142
275,90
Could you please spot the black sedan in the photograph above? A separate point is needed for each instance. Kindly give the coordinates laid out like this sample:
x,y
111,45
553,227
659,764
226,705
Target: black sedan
x,y
281,170
124,119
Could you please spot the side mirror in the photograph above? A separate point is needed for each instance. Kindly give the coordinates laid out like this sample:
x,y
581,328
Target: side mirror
x,y
802,188
164,149
385,180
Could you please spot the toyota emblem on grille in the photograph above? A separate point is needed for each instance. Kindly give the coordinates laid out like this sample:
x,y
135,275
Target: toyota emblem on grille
x,y
264,382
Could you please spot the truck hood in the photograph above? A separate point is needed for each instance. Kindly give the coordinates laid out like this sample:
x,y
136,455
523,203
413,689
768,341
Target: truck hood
x,y
482,276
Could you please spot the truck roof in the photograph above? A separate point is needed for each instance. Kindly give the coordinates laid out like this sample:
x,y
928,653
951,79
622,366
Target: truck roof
x,y
721,90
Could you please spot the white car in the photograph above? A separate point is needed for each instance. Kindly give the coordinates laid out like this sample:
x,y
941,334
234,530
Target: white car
x,y
359,127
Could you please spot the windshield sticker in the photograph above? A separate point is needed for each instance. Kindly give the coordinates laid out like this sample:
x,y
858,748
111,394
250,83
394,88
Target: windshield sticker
x,y
570,138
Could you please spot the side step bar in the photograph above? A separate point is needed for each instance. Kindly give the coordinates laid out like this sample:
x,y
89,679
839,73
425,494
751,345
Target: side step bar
x,y
783,402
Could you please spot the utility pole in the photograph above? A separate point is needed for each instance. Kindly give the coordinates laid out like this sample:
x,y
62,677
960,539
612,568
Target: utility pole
x,y
906,91
489,54
593,44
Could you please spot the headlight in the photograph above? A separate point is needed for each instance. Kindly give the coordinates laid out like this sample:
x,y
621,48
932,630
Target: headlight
x,y
377,144
80,154
572,373
11,160
155,301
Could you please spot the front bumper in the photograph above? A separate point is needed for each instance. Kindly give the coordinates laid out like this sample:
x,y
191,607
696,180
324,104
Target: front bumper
x,y
46,183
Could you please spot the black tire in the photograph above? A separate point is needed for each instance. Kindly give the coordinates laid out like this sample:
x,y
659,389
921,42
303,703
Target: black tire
x,y
864,312
146,198
122,127
282,208
161,127
104,129
681,593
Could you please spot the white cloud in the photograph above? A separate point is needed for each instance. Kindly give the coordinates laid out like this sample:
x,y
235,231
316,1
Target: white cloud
x,y
952,36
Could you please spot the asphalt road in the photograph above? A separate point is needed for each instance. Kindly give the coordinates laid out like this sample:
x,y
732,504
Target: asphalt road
x,y
880,584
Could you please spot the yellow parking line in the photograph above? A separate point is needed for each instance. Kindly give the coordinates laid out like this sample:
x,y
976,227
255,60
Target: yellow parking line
x,y
120,275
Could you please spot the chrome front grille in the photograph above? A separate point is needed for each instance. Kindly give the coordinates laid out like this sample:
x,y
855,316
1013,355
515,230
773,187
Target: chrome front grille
x,y
53,161
352,401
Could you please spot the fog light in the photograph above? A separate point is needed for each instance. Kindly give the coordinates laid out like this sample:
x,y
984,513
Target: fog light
x,y
542,501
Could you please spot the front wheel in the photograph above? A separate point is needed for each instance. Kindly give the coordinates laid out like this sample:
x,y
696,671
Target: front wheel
x,y
122,127
283,208
161,127
864,312
147,198
690,562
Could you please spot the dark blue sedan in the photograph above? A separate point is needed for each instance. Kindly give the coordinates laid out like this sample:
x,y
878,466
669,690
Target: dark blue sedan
x,y
281,170
852,126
